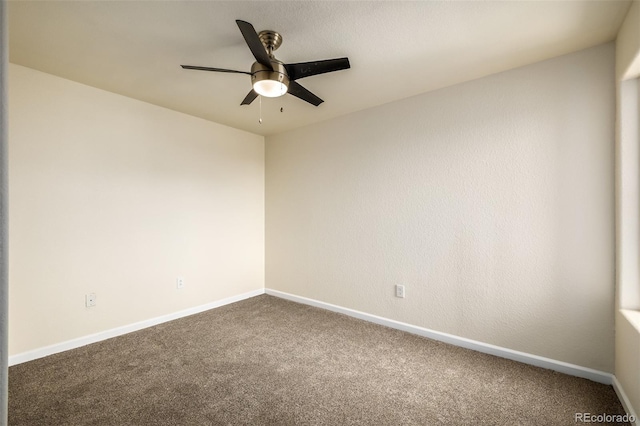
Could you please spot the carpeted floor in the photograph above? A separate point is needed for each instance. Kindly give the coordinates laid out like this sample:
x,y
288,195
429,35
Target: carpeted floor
x,y
267,361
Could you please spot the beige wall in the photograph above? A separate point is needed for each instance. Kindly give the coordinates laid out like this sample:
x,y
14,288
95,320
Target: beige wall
x,y
628,44
628,194
114,196
491,201
627,363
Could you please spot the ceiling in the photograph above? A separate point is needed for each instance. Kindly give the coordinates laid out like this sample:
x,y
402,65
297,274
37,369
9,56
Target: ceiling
x,y
396,49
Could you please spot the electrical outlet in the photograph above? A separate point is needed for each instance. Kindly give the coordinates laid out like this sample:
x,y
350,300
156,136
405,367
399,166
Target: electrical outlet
x,y
400,291
179,283
90,300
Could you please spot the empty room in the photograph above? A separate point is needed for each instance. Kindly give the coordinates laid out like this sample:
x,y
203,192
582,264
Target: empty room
x,y
320,212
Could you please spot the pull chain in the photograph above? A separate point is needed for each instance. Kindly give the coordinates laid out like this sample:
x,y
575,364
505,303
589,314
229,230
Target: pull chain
x,y
260,119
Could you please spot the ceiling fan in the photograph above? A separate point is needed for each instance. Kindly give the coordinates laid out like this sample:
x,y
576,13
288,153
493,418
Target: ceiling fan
x,y
271,77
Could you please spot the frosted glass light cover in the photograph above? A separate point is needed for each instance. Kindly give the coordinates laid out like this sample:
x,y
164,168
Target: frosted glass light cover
x,y
270,88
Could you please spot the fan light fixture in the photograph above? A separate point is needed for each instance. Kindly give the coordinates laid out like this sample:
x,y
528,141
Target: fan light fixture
x,y
270,82
270,88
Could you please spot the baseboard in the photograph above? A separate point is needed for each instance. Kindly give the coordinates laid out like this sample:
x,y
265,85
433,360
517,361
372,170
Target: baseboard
x,y
624,400
538,361
535,360
107,334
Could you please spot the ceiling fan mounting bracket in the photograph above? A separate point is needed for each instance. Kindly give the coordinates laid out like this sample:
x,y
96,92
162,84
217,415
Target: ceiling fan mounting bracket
x,y
270,39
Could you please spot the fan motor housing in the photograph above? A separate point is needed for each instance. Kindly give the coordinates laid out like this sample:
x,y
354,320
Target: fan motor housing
x,y
260,72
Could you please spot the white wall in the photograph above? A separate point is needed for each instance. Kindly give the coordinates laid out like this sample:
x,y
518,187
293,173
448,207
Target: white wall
x,y
628,195
114,196
492,201
627,363
628,44
627,165
4,240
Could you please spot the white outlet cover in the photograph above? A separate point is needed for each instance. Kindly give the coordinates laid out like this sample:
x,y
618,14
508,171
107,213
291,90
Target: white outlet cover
x,y
90,300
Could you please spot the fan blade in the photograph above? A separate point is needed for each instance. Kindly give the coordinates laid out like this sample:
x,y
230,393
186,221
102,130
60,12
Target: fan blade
x,y
307,69
193,67
300,92
251,96
253,41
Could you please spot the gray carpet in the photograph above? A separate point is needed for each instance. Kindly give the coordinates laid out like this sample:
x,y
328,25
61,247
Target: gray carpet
x,y
267,361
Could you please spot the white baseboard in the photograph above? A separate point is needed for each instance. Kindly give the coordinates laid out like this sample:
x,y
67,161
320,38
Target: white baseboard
x,y
538,361
103,335
624,400
535,360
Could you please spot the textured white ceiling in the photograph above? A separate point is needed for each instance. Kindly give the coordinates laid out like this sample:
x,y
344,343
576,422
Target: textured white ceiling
x,y
396,49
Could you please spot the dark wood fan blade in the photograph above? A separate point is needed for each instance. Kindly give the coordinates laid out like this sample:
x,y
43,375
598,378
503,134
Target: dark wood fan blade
x,y
307,69
251,96
193,67
253,41
300,92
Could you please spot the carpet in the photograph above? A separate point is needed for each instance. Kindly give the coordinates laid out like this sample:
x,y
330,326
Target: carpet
x,y
268,361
